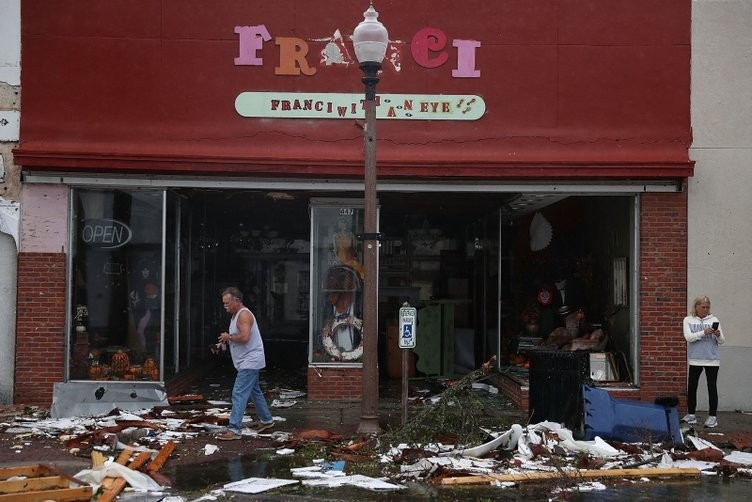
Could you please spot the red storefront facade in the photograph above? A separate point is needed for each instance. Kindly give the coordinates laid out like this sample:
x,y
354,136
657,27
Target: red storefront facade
x,y
584,104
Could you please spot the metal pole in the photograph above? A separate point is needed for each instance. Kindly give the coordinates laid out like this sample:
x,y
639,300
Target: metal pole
x,y
369,418
405,361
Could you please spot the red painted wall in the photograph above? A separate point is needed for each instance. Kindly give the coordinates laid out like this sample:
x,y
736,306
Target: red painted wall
x,y
40,327
573,88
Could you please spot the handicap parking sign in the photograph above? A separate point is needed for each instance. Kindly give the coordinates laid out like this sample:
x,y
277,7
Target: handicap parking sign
x,y
407,319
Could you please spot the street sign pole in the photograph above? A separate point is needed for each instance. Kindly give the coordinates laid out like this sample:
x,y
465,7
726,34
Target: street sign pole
x,y
407,331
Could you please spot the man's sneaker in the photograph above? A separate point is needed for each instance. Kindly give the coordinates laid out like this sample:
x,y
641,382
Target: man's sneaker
x,y
711,422
689,418
261,426
228,436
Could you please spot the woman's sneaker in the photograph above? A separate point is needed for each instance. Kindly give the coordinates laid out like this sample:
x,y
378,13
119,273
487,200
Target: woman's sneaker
x,y
711,422
689,418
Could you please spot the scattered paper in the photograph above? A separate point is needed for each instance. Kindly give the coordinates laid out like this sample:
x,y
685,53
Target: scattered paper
x,y
739,457
701,444
290,394
491,389
258,485
210,448
283,403
366,482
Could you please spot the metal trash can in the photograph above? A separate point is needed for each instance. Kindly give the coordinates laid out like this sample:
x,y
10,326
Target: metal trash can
x,y
555,386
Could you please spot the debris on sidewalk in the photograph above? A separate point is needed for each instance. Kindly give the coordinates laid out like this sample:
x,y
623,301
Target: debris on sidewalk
x,y
283,403
332,475
285,394
141,472
454,436
41,482
257,485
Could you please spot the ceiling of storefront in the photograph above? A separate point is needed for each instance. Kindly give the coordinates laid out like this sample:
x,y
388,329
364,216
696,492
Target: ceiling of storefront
x,y
264,209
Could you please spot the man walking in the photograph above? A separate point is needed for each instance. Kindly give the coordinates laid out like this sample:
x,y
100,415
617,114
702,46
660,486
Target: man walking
x,y
247,351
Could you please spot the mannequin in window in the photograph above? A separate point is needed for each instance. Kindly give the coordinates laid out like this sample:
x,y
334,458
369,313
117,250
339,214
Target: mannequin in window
x,y
145,306
341,332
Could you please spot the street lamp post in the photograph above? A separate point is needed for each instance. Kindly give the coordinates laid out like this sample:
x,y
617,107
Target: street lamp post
x,y
370,39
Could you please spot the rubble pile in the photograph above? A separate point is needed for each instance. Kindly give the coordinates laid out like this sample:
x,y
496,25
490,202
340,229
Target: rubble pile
x,y
457,414
450,439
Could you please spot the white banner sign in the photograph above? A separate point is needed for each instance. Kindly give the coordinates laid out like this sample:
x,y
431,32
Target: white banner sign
x,y
294,105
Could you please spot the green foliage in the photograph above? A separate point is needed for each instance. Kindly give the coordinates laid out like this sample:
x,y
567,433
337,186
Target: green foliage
x,y
457,417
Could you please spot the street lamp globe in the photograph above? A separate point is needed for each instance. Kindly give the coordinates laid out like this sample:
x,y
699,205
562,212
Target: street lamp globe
x,y
370,38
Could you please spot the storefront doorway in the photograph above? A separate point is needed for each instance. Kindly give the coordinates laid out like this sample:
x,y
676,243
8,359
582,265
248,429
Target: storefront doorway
x,y
492,274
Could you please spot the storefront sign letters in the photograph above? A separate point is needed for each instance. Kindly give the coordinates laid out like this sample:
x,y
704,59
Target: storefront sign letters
x,y
105,233
350,106
427,49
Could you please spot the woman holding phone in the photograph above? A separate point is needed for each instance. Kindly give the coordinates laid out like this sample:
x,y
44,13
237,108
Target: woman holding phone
x,y
702,331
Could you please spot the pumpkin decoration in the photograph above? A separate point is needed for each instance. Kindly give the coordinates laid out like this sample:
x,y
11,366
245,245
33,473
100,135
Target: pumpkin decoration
x,y
149,365
151,369
120,363
96,372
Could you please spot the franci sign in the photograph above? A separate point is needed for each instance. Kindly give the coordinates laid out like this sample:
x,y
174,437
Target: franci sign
x,y
427,49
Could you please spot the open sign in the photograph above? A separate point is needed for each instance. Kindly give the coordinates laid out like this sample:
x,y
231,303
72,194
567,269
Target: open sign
x,y
105,233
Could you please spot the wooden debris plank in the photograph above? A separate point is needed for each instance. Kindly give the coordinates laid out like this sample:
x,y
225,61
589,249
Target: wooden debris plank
x,y
33,484
161,457
39,485
82,493
57,472
118,484
122,459
588,474
97,459
30,471
124,456
112,490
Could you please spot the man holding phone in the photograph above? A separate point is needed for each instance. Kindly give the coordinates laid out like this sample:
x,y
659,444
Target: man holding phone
x,y
702,331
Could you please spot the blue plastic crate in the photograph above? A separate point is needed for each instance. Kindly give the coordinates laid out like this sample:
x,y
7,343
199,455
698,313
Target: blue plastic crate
x,y
627,421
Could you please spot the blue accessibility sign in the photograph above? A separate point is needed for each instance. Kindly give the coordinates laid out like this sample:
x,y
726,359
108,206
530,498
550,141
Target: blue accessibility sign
x,y
407,327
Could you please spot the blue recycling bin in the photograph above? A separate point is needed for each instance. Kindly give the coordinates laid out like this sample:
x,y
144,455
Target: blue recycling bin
x,y
627,421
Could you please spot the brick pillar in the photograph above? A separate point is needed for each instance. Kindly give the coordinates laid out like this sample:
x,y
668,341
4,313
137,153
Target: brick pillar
x,y
40,327
663,295
340,383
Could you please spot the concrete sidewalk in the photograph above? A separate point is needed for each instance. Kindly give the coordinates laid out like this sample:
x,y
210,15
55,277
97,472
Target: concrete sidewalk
x,y
343,417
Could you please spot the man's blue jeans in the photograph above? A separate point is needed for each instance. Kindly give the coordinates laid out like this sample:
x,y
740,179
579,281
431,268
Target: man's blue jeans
x,y
247,386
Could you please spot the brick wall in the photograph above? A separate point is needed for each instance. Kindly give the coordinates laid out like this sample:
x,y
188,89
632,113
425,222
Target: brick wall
x,y
516,391
40,327
335,383
663,295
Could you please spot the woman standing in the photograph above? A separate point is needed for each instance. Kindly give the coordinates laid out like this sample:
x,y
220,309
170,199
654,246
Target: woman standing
x,y
703,333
